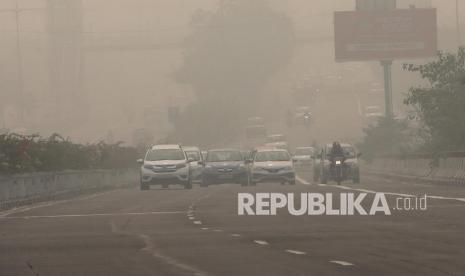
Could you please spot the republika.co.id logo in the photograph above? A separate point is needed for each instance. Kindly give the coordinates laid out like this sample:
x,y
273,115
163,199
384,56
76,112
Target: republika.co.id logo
x,y
317,204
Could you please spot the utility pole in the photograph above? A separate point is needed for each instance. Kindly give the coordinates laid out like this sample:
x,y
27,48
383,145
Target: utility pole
x,y
19,66
386,64
457,17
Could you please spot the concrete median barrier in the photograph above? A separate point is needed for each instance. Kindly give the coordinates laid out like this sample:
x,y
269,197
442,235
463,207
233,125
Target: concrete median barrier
x,y
447,168
36,187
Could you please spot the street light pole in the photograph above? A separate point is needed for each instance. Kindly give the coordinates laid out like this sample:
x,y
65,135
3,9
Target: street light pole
x,y
457,16
19,66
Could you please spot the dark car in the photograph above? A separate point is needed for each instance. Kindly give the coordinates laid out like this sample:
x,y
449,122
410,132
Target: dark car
x,y
224,166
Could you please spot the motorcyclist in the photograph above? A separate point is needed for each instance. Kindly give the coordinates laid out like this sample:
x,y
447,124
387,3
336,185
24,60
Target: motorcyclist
x,y
336,151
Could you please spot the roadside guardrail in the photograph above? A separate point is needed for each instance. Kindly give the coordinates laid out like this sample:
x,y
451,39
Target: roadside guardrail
x,y
447,167
26,189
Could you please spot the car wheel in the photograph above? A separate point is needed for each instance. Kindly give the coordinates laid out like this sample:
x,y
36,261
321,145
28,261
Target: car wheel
x,y
144,187
316,177
356,179
324,179
292,182
188,185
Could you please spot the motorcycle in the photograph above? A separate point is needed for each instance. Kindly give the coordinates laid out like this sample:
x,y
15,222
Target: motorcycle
x,y
337,170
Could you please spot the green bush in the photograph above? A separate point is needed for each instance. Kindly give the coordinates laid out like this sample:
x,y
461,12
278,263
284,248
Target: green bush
x,y
32,153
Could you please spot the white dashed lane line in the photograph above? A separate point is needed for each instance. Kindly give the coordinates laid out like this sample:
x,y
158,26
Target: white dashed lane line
x,y
191,218
198,222
204,228
91,215
235,235
303,181
296,252
261,242
343,263
217,230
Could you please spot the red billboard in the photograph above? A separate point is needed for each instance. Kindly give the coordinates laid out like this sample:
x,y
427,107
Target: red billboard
x,y
385,34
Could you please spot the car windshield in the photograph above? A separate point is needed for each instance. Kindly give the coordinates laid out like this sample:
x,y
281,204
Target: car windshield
x,y
305,151
165,154
194,155
222,156
266,156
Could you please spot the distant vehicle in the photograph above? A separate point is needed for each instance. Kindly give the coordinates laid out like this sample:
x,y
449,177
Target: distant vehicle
x,y
195,154
274,138
302,116
270,165
373,111
254,121
277,141
303,156
350,166
165,165
223,166
278,145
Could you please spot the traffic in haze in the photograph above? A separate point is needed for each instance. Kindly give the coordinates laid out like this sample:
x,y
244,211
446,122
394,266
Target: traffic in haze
x,y
232,137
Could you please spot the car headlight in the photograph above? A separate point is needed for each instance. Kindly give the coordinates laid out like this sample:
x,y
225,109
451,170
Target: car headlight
x,y
180,166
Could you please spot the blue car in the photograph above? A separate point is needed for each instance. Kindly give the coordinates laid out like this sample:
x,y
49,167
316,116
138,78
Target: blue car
x,y
224,166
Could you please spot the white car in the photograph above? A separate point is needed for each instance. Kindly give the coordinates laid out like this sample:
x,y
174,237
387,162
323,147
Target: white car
x,y
304,156
271,166
195,154
165,165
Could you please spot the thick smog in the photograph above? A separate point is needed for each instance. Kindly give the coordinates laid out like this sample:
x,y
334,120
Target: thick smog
x,y
232,137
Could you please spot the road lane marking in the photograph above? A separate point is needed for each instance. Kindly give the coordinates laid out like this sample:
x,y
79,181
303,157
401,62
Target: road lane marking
x,y
235,235
198,222
191,218
303,181
392,194
204,228
296,252
152,249
343,263
51,203
217,230
261,242
93,215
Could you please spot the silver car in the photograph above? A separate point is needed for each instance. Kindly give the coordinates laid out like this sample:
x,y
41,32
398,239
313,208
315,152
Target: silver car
x,y
165,165
272,166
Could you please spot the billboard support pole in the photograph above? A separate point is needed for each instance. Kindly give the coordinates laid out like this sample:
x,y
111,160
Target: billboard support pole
x,y
387,67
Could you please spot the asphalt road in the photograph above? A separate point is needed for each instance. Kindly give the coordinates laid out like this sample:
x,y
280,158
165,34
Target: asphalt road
x,y
198,232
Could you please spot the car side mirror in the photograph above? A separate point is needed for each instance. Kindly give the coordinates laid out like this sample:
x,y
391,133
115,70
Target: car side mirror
x,y
140,161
